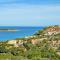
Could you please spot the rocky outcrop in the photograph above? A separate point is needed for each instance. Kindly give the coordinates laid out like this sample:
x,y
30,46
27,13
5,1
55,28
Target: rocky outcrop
x,y
52,30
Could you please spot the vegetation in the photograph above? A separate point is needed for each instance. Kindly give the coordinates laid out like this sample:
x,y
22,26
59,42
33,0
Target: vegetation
x,y
45,47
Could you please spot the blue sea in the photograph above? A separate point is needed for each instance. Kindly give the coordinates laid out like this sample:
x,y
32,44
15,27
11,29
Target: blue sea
x,y
23,31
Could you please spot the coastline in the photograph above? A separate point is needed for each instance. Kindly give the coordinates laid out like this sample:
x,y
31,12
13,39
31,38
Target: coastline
x,y
40,45
18,32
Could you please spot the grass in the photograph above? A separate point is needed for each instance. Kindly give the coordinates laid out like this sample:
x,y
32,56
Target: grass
x,y
5,56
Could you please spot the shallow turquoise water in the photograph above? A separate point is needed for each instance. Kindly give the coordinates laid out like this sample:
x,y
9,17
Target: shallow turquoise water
x,y
23,31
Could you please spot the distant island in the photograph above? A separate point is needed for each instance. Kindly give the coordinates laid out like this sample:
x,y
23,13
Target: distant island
x,y
12,30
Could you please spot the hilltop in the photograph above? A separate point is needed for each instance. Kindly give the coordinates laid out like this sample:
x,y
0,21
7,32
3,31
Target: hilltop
x,y
43,45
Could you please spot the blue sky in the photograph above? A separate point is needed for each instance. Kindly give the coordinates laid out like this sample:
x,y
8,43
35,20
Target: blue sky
x,y
29,12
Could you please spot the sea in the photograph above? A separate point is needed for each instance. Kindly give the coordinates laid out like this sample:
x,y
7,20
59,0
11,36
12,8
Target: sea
x,y
20,33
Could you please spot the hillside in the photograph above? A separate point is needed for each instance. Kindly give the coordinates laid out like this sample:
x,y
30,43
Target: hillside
x,y
43,45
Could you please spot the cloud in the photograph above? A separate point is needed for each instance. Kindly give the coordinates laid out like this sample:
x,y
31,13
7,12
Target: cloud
x,y
29,15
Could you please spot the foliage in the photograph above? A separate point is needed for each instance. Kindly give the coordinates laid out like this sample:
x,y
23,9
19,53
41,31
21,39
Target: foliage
x,y
43,50
3,49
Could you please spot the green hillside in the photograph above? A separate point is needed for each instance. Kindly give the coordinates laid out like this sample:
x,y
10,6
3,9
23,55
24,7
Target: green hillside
x,y
43,45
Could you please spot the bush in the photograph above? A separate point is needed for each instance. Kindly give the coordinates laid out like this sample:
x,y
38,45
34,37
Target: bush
x,y
3,49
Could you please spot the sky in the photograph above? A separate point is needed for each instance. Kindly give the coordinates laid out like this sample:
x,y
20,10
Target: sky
x,y
29,12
